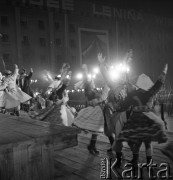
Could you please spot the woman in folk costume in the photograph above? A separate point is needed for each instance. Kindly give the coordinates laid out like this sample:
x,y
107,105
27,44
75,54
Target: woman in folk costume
x,y
143,125
13,96
50,94
90,118
114,121
58,113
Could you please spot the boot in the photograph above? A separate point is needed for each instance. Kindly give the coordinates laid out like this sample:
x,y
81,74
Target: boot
x,y
111,140
92,146
149,158
119,158
17,113
134,161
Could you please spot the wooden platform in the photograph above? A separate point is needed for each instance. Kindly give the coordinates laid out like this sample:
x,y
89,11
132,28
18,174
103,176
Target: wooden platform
x,y
27,147
77,164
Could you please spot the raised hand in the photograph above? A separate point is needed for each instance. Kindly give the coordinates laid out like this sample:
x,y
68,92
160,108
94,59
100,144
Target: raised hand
x,y
16,66
165,69
100,58
31,70
128,57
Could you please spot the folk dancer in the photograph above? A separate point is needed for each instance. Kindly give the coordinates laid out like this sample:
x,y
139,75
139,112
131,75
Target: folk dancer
x,y
143,125
58,113
90,118
114,121
51,90
14,95
24,83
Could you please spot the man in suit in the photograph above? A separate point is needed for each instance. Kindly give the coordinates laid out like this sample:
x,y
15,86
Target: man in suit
x,y
24,83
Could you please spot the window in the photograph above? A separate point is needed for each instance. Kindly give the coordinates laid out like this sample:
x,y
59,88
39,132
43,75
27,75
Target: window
x,y
73,59
72,43
25,40
59,58
6,57
4,20
43,58
41,25
58,42
42,42
57,25
23,22
71,27
110,32
5,38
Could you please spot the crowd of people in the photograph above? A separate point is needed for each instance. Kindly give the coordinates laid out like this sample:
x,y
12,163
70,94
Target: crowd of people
x,y
122,111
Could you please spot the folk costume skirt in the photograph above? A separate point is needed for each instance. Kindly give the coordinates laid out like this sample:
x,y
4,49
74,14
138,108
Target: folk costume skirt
x,y
14,97
56,114
2,99
143,126
90,119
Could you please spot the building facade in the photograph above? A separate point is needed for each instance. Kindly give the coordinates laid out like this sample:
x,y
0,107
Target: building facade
x,y
43,34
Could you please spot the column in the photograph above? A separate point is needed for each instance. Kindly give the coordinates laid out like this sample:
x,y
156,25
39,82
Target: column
x,y
18,38
51,42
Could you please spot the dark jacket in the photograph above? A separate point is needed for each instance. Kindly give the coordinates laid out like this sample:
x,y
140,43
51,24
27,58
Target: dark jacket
x,y
24,84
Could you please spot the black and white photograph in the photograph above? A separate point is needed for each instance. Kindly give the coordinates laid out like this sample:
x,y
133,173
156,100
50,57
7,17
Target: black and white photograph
x,y
86,89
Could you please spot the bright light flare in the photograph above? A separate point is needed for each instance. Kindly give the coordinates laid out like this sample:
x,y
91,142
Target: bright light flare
x,y
112,67
118,70
122,68
127,69
96,70
89,76
93,76
114,74
68,76
37,93
79,76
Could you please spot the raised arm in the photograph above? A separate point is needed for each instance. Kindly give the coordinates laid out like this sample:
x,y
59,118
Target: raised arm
x,y
16,71
104,71
115,87
159,83
30,74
